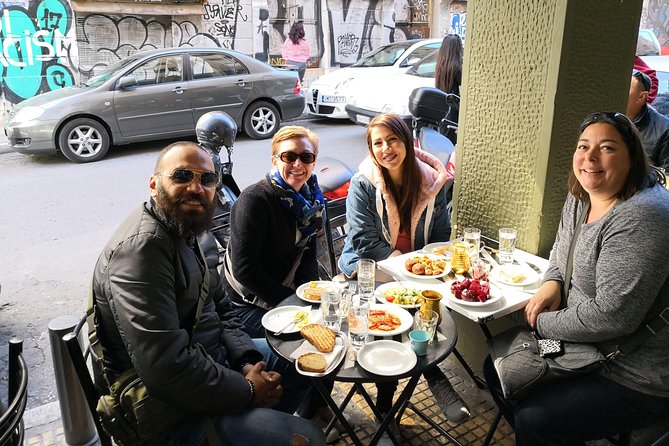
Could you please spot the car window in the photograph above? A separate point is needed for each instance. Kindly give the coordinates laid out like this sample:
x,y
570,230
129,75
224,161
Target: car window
x,y
647,44
108,72
215,65
160,70
419,53
384,56
426,67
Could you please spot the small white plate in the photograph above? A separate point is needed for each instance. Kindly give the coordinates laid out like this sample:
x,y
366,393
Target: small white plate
x,y
386,358
277,318
437,248
494,296
531,276
447,266
319,283
381,290
406,319
333,362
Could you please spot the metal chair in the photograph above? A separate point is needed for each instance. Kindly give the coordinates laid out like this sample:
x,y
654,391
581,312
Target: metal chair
x,y
11,421
334,234
79,359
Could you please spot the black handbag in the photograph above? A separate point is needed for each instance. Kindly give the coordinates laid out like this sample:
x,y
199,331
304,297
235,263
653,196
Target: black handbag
x,y
523,366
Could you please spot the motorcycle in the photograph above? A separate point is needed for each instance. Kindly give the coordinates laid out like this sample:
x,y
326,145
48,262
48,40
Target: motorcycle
x,y
433,130
214,131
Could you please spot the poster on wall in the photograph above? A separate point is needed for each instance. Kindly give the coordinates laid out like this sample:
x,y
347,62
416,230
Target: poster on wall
x,y
458,24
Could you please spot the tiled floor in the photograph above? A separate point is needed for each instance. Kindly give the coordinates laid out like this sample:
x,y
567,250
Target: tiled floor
x,y
415,431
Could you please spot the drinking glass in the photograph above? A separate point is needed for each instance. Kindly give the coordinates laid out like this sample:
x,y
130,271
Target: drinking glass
x,y
472,236
358,322
330,309
426,320
366,272
507,244
346,295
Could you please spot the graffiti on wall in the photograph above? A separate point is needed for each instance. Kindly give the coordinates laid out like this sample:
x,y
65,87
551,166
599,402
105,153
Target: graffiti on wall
x,y
358,26
223,20
459,25
36,43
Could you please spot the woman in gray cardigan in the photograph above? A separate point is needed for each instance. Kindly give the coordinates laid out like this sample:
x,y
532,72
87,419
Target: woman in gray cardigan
x,y
620,282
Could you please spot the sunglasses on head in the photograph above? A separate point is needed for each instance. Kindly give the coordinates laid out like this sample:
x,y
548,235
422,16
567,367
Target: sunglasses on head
x,y
186,176
290,157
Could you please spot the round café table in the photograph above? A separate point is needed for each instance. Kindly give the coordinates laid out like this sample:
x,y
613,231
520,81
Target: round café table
x,y
351,372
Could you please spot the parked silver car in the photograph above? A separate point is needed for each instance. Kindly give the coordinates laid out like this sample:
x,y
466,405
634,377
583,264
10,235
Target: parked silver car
x,y
155,95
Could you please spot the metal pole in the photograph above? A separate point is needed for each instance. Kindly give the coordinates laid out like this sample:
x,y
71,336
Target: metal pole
x,y
78,425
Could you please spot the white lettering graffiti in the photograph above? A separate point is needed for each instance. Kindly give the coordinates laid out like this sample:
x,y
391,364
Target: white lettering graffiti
x,y
37,39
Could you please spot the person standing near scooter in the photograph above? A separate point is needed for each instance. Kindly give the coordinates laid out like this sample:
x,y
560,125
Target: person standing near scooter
x,y
448,76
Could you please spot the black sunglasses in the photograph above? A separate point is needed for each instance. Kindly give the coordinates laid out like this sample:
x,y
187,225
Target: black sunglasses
x,y
290,157
186,176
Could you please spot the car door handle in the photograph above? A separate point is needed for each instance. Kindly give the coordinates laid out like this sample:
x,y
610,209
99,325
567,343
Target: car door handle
x,y
178,90
240,83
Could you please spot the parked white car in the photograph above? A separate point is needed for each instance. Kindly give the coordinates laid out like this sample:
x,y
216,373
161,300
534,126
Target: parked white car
x,y
661,66
328,95
390,94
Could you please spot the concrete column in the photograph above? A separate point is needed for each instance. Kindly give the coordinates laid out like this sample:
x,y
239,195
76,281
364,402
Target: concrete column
x,y
533,70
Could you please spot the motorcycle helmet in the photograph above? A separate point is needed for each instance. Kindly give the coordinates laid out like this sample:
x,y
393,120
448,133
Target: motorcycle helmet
x,y
216,129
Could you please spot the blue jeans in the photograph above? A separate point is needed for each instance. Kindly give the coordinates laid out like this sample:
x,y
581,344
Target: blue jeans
x,y
260,426
251,317
586,407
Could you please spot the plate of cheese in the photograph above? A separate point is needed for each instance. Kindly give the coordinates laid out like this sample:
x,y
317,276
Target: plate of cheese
x,y
514,275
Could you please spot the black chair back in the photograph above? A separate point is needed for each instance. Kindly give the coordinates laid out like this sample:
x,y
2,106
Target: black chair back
x,y
335,232
11,421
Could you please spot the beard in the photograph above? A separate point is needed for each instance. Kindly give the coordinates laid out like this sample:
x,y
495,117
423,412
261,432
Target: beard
x,y
185,224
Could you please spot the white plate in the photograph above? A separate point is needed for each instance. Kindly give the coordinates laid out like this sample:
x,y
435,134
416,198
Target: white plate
x,y
386,358
406,319
381,289
429,248
447,267
276,319
531,276
319,283
494,296
340,346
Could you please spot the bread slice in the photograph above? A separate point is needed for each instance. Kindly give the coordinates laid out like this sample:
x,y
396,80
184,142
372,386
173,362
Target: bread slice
x,y
312,362
512,276
314,293
319,336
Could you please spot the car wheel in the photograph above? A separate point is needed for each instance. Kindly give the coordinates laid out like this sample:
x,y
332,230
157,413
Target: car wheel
x,y
261,120
83,140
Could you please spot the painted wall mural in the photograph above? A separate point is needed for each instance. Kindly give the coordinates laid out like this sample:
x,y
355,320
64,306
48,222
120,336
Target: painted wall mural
x,y
47,46
36,48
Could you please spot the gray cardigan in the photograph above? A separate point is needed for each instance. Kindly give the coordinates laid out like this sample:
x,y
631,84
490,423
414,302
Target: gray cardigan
x,y
619,282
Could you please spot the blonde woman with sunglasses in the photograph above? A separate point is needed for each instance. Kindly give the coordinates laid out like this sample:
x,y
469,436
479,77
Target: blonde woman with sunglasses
x,y
273,226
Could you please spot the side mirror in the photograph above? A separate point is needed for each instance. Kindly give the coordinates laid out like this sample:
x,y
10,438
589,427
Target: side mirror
x,y
413,60
127,82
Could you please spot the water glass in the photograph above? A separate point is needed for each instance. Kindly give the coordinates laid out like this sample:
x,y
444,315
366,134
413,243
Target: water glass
x,y
330,309
366,273
426,320
358,322
507,244
346,295
472,237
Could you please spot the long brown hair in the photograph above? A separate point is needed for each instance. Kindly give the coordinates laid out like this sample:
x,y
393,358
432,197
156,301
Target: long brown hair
x,y
296,33
410,173
448,73
641,174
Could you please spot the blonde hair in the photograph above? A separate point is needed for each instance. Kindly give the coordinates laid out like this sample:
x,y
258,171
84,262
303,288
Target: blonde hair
x,y
294,131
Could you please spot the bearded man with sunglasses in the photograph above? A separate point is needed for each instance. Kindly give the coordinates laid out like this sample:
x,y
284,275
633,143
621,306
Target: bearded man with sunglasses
x,y
147,284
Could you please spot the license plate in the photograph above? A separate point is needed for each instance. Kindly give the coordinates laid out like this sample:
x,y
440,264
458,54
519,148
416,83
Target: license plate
x,y
362,119
326,98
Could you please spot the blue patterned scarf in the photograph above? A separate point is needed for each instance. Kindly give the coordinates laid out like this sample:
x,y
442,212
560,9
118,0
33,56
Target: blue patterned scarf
x,y
307,205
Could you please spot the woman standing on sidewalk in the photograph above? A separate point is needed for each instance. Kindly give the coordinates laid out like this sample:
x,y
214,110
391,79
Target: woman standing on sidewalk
x,y
296,50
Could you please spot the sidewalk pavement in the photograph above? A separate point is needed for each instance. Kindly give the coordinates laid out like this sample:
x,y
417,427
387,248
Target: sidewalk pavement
x,y
44,426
